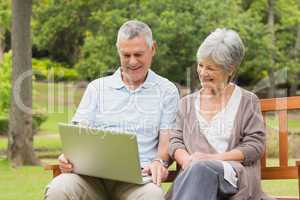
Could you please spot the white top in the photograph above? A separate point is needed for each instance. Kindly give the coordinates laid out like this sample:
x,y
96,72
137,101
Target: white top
x,y
219,129
108,104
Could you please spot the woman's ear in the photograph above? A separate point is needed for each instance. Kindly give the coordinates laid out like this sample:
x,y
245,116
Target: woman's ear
x,y
231,70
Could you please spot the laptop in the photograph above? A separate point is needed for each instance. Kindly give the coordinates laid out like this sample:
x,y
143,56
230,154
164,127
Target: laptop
x,y
104,154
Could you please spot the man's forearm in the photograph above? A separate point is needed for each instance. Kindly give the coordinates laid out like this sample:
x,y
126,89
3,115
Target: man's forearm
x,y
162,151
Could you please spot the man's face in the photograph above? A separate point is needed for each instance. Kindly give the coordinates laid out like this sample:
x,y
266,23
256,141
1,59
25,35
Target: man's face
x,y
135,57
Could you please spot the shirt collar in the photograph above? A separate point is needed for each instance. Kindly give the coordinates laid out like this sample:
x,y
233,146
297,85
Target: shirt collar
x,y
117,82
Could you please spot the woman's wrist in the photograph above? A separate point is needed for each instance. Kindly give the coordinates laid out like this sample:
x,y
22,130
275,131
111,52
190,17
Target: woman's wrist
x,y
186,161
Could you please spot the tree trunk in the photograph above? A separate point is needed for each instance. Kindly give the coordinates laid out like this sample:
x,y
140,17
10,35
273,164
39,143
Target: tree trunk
x,y
271,5
20,144
2,42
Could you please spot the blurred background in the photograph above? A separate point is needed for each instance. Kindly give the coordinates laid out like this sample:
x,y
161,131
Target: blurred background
x,y
73,42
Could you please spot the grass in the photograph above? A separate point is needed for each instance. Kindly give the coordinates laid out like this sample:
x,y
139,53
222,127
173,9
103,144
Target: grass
x,y
50,126
280,187
272,121
58,100
49,142
25,183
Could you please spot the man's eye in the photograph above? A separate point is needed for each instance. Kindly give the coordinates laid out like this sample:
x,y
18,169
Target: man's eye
x,y
137,55
126,56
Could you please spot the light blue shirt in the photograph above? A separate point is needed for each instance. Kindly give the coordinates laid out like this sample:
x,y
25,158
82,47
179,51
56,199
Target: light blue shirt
x,y
110,105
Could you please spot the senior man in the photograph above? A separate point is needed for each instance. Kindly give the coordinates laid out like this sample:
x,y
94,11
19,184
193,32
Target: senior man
x,y
133,99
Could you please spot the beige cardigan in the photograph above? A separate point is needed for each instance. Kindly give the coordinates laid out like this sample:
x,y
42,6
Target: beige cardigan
x,y
248,136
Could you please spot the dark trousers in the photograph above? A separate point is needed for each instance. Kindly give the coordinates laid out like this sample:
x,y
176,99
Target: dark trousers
x,y
203,180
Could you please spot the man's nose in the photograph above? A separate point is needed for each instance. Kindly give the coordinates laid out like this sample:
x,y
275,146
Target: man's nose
x,y
132,61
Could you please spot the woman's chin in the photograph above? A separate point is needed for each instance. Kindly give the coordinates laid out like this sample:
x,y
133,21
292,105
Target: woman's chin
x,y
207,85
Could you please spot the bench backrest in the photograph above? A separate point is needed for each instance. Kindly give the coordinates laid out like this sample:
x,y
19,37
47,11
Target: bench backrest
x,y
280,106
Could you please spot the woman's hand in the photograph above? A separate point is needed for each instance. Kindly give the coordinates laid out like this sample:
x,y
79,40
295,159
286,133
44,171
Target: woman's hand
x,y
205,156
198,156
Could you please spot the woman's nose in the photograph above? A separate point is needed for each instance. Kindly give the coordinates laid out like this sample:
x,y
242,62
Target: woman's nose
x,y
202,71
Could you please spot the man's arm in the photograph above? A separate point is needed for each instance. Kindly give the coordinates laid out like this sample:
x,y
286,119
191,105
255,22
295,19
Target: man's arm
x,y
163,144
158,167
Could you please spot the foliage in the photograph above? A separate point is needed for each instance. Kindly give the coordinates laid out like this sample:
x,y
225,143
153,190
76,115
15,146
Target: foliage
x,y
87,36
60,24
5,84
3,125
38,118
5,15
45,69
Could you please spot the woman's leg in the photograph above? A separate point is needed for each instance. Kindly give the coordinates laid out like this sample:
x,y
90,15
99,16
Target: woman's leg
x,y
203,180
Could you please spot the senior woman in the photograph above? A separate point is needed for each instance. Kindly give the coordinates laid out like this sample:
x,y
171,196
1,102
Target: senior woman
x,y
219,136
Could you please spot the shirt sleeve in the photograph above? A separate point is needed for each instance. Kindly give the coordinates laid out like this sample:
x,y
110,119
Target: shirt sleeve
x,y
86,111
169,108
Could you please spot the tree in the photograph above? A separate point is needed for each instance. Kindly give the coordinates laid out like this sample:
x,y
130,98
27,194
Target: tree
x,y
20,142
88,34
59,27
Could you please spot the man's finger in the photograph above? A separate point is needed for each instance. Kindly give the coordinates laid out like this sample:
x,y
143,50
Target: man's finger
x,y
154,174
146,170
165,173
63,159
158,176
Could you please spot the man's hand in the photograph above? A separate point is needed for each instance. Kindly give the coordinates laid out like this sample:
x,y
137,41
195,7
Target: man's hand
x,y
158,172
64,164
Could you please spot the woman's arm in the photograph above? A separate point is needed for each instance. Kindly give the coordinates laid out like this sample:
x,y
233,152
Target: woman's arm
x,y
252,143
182,157
233,155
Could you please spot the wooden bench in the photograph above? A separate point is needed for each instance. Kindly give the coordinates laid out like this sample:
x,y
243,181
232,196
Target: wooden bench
x,y
283,171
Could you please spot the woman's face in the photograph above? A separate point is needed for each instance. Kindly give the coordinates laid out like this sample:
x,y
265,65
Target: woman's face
x,y
211,75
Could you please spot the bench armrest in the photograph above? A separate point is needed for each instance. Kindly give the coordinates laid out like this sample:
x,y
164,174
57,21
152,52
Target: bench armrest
x,y
54,168
56,171
297,163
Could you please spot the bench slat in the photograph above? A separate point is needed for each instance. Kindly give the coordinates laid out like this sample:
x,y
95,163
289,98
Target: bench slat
x,y
283,138
270,173
277,104
264,157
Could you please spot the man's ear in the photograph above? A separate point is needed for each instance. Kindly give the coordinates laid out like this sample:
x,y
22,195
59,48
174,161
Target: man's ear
x,y
154,47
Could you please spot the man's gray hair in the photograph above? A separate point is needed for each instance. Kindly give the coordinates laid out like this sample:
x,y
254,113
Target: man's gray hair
x,y
135,28
225,48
